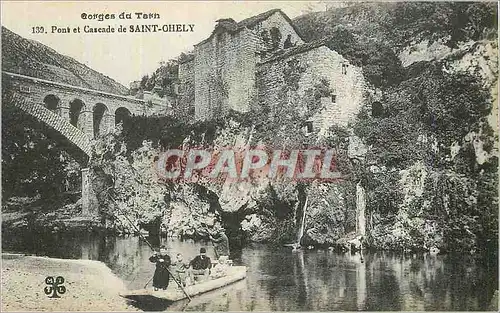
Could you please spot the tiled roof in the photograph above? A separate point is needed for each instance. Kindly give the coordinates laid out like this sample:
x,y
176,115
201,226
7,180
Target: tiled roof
x,y
187,58
284,53
254,20
231,26
228,24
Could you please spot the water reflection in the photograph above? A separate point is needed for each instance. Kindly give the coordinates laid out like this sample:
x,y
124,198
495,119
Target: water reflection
x,y
281,280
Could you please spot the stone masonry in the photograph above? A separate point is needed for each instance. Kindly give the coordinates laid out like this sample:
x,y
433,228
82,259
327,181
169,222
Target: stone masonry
x,y
73,134
92,112
77,113
347,84
241,66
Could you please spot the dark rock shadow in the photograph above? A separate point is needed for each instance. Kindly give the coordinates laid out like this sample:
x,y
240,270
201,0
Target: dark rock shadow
x,y
148,303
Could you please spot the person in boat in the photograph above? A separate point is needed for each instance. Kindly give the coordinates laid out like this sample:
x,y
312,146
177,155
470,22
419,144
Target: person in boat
x,y
220,269
180,269
221,244
200,266
161,276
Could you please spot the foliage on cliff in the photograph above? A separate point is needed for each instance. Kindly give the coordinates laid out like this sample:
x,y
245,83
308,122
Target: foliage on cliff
x,y
428,146
162,79
31,58
372,34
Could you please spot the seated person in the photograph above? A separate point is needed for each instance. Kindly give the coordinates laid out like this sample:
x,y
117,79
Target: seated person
x,y
220,268
200,265
180,269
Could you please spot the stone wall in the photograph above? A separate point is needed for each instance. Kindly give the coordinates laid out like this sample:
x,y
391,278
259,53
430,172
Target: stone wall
x,y
347,84
225,73
185,101
238,70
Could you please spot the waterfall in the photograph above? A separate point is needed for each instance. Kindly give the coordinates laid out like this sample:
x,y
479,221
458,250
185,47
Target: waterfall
x,y
302,222
360,210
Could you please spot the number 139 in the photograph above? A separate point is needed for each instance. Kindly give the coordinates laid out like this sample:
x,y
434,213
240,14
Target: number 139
x,y
37,30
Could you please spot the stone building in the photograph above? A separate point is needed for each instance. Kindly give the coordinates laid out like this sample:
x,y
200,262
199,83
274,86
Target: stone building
x,y
244,64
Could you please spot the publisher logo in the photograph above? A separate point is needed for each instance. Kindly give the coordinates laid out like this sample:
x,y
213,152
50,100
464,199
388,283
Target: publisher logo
x,y
55,286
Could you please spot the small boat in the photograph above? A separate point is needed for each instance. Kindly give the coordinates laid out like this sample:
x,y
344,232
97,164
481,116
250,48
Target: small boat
x,y
174,293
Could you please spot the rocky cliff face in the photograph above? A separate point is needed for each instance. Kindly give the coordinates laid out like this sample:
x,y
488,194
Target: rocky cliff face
x,y
31,58
403,201
260,210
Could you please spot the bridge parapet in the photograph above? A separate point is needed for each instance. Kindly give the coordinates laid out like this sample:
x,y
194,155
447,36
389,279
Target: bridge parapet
x,y
73,90
93,112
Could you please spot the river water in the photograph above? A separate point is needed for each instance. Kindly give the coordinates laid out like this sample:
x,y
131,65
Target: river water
x,y
281,280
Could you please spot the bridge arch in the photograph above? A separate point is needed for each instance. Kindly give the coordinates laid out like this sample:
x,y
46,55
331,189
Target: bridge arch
x,y
100,114
51,102
76,108
121,115
51,119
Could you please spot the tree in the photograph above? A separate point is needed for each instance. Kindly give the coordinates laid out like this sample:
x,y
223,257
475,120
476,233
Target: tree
x,y
36,160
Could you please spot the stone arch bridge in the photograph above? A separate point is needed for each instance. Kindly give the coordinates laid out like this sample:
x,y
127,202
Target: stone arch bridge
x,y
79,114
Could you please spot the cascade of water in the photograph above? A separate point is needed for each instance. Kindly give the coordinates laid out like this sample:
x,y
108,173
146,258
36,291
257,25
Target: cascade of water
x,y
302,222
360,210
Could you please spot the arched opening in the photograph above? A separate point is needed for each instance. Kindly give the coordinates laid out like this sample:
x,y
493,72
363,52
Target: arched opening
x,y
275,37
75,109
121,115
54,151
100,111
51,102
377,109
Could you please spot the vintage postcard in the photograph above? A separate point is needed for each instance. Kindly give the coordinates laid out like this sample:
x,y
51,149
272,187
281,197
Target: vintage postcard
x,y
249,156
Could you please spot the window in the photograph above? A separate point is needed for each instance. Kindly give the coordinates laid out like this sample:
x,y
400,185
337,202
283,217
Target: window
x,y
275,37
334,98
377,109
265,36
344,68
308,127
